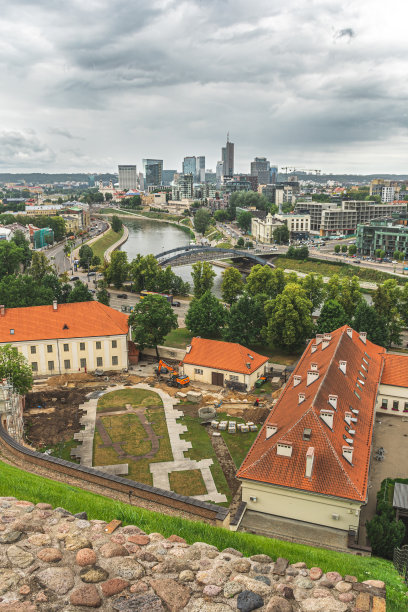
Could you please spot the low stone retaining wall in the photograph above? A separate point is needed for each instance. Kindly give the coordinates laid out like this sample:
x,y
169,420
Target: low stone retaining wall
x,y
53,561
122,239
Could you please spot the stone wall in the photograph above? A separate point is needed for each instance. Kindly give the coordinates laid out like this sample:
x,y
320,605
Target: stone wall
x,y
52,561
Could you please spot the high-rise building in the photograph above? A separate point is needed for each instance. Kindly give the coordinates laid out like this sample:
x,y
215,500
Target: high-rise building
x,y
153,171
261,168
190,165
168,176
219,171
200,168
182,187
273,174
227,153
127,177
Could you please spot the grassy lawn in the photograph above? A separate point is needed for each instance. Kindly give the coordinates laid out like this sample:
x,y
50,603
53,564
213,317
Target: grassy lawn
x,y
99,246
117,400
202,449
122,429
23,485
178,338
113,211
62,449
330,268
239,443
187,482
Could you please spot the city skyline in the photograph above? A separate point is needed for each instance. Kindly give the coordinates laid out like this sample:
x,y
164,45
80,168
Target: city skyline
x,y
315,85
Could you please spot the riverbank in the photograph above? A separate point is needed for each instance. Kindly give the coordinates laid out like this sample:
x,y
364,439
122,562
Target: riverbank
x,y
128,214
117,244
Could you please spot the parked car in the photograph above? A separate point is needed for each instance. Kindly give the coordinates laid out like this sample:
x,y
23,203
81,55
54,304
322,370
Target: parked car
x,y
91,273
175,303
74,278
122,296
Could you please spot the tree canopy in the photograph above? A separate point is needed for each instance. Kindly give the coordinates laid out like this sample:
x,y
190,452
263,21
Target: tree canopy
x,y
332,317
15,368
289,318
232,285
205,316
281,234
202,220
151,320
203,278
246,320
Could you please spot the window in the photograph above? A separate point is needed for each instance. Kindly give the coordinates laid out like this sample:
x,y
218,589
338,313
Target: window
x,y
33,350
362,375
98,345
384,404
365,361
234,377
49,348
67,364
99,362
367,355
406,407
114,343
34,366
50,366
82,346
83,363
357,395
395,405
364,368
115,360
198,371
358,387
66,347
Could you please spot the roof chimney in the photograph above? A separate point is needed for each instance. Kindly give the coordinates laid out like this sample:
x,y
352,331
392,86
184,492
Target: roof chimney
x,y
309,462
297,380
333,400
2,310
343,366
55,305
271,429
302,398
349,332
363,337
348,453
312,375
327,417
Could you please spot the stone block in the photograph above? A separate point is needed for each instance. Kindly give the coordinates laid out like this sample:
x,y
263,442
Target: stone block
x,y
194,396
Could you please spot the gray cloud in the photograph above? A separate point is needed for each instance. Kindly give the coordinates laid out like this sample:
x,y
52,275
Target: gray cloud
x,y
345,33
23,149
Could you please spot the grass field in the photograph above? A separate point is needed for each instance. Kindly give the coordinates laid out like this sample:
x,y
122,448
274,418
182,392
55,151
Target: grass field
x,y
239,443
26,486
179,338
202,449
62,449
99,246
117,400
187,482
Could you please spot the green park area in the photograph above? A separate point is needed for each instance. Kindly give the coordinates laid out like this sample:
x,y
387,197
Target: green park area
x,y
117,400
107,240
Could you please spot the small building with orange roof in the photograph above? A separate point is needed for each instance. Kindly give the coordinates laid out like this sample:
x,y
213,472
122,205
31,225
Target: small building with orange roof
x,y
393,389
219,363
67,338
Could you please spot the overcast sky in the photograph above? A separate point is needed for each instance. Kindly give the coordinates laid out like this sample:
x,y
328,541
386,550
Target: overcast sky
x,y
90,84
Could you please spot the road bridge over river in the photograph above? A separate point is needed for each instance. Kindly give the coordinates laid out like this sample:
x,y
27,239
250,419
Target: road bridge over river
x,y
181,256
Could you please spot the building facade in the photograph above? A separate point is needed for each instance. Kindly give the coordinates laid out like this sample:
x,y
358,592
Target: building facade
x,y
227,156
190,165
153,172
127,177
182,187
261,168
386,234
67,338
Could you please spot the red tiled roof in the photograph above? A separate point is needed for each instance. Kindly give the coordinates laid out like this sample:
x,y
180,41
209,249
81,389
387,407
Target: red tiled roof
x,y
395,370
332,473
77,320
227,356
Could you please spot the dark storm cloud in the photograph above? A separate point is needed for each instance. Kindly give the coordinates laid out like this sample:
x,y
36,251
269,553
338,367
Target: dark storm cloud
x,y
164,77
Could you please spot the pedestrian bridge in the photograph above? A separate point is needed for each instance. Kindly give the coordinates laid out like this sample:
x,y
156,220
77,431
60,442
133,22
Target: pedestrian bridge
x,y
191,253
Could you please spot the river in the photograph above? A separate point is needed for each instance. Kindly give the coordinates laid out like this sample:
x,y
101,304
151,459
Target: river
x,y
147,236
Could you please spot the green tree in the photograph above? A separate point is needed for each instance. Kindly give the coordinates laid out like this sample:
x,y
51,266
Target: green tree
x,y
244,220
108,198
143,272
206,316
378,252
367,319
313,285
297,253
11,256
232,285
102,294
264,279
385,534
116,223
203,278
24,290
40,266
387,301
151,320
332,317
85,256
337,248
352,250
333,287
95,261
344,248
20,240
80,293
382,254
240,242
281,234
289,318
117,271
403,304
221,215
246,321
202,220
14,367
350,295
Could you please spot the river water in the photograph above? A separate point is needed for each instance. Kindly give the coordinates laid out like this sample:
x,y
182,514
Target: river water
x,y
147,236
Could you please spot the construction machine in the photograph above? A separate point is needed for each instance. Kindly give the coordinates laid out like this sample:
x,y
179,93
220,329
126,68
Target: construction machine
x,y
175,379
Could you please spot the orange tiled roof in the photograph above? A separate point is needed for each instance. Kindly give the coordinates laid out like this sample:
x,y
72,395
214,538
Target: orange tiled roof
x,y
395,370
227,356
332,474
77,320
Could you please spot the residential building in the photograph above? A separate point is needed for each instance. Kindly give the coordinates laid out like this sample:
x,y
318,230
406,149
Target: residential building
x,y
71,223
310,461
182,187
262,228
153,172
210,177
67,338
298,223
190,166
387,194
48,210
388,234
261,168
81,211
393,388
218,363
11,410
18,227
168,177
227,156
377,186
127,177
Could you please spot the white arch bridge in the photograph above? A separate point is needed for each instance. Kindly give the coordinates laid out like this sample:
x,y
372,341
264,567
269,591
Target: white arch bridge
x,y
191,253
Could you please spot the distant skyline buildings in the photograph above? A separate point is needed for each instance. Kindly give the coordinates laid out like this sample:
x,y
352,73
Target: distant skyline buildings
x,y
227,156
127,177
153,172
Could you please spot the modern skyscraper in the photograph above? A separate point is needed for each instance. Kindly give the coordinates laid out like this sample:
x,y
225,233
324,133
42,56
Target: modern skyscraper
x,y
153,171
200,168
190,165
219,171
227,153
260,167
127,177
168,176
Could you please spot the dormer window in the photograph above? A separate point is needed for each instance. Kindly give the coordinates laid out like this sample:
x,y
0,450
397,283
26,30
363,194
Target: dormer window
x,y
307,434
284,449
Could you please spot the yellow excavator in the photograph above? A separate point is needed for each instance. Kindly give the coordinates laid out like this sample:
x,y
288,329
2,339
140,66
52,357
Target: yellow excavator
x,y
175,379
